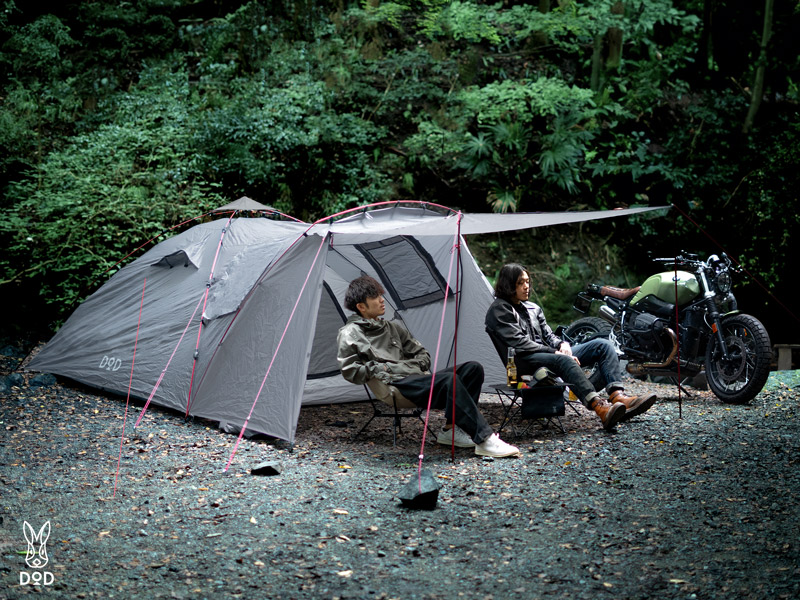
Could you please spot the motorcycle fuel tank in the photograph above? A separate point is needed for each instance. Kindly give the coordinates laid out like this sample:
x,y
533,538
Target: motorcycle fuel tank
x,y
662,286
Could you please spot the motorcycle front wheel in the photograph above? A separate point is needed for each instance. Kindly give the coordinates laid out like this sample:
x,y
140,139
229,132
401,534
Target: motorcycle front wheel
x,y
737,379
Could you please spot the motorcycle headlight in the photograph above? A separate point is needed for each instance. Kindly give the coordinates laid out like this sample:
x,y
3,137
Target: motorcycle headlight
x,y
724,282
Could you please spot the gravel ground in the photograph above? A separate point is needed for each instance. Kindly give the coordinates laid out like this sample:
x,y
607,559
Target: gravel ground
x,y
697,500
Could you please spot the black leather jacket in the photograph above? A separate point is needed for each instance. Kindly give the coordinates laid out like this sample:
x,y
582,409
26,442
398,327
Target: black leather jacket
x,y
509,327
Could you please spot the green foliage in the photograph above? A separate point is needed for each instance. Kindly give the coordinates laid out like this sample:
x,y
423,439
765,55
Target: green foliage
x,y
525,100
533,134
466,21
371,14
119,120
89,203
434,143
37,49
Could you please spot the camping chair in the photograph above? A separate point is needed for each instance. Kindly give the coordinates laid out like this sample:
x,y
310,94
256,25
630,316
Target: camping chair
x,y
390,396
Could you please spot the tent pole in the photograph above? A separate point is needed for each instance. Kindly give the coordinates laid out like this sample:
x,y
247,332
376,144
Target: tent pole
x,y
436,358
275,353
203,314
455,332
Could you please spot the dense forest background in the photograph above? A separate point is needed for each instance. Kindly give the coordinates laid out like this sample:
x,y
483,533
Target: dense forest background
x,y
121,120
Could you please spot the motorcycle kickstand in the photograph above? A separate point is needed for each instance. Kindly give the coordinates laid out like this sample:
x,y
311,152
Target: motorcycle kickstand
x,y
680,386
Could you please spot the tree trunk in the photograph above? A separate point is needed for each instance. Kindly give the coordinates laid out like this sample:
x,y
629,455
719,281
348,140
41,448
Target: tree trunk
x,y
761,70
615,40
597,64
540,37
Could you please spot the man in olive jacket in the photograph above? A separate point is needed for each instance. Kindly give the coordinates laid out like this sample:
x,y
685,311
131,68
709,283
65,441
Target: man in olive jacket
x,y
513,322
369,346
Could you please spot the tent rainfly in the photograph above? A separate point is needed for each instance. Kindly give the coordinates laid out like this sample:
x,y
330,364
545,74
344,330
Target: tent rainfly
x,y
239,316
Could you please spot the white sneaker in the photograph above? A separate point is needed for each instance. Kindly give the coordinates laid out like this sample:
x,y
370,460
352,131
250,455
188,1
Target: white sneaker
x,y
462,439
494,446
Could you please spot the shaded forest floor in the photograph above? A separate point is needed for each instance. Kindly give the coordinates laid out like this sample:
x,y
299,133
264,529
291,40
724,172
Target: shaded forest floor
x,y
697,500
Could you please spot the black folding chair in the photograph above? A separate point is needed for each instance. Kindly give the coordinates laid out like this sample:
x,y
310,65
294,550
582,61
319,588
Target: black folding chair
x,y
546,402
389,397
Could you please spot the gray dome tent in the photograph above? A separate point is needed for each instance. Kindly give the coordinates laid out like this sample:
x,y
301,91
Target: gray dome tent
x,y
239,316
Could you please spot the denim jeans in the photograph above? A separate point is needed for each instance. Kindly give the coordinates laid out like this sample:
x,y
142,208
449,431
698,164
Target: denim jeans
x,y
598,351
601,352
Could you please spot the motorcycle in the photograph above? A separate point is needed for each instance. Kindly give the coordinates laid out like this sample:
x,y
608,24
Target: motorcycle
x,y
679,323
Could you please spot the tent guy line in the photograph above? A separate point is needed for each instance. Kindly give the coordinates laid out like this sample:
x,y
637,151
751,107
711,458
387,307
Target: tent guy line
x,y
164,370
130,381
274,354
453,251
203,312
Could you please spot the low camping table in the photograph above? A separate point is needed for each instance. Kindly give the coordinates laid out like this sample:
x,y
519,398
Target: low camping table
x,y
512,399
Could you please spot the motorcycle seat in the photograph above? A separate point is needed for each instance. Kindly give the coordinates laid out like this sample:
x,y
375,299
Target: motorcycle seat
x,y
619,293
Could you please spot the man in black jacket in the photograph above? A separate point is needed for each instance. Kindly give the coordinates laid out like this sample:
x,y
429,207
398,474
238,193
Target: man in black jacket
x,y
513,322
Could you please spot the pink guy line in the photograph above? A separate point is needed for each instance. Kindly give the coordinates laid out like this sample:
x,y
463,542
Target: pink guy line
x,y
164,372
275,353
205,302
456,245
130,383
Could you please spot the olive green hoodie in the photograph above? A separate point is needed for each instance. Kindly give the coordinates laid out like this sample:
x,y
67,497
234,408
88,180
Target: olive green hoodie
x,y
370,348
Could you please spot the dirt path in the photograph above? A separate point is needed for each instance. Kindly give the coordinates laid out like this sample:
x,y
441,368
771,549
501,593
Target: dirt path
x,y
706,505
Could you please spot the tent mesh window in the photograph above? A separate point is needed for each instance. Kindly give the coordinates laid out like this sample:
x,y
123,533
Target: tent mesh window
x,y
402,264
323,361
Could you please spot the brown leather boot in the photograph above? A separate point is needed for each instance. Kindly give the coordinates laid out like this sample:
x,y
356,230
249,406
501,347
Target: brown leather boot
x,y
634,405
610,414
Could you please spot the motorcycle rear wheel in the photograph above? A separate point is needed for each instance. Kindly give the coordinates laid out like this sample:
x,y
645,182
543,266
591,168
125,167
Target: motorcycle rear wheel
x,y
583,330
739,379
586,329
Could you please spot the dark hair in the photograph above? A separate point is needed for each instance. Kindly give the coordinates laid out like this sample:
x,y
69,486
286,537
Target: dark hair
x,y
360,289
506,285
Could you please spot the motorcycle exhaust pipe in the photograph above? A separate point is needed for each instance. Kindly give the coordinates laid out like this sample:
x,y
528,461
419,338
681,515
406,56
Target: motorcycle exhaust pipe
x,y
608,314
642,368
636,369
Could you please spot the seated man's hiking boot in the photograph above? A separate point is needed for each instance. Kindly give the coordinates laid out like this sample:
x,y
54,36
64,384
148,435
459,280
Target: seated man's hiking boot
x,y
495,447
460,438
634,405
610,414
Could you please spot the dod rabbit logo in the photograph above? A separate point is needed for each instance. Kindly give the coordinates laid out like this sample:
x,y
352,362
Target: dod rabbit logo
x,y
36,557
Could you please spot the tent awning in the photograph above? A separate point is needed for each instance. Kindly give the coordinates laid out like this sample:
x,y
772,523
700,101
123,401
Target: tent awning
x,y
420,221
493,222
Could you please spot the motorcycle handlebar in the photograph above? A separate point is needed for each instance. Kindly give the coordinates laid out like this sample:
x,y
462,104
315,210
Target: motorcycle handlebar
x,y
692,260
681,260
